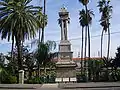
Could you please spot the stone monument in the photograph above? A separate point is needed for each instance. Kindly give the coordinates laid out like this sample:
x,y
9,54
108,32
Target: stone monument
x,y
65,67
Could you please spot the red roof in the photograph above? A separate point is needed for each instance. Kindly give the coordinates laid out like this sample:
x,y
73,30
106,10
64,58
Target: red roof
x,y
77,59
93,58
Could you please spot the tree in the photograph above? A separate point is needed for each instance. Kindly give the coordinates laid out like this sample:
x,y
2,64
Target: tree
x,y
117,58
87,22
43,53
82,23
105,9
29,63
85,2
94,67
116,63
2,60
42,22
17,20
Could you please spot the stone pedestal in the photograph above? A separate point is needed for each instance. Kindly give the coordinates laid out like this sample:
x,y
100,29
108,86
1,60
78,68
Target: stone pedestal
x,y
65,67
21,76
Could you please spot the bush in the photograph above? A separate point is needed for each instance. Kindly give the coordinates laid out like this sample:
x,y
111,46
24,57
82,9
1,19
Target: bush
x,y
52,79
12,79
7,78
81,77
35,80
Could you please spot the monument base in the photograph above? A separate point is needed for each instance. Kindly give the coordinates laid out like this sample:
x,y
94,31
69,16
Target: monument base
x,y
65,71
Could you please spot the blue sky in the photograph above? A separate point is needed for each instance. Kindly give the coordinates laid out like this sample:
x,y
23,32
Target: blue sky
x,y
52,31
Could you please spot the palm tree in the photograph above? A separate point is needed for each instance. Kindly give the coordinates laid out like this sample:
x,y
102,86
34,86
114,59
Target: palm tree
x,y
85,2
87,21
17,19
43,53
82,23
42,22
105,9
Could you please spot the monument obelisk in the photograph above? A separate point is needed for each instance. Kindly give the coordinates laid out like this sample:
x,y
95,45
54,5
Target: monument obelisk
x,y
65,67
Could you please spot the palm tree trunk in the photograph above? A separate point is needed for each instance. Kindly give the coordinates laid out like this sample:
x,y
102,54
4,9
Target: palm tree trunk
x,y
12,53
82,50
101,41
18,44
12,47
86,32
108,51
39,34
89,73
85,49
19,56
42,37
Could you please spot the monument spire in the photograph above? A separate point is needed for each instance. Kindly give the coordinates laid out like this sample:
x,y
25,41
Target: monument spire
x,y
63,22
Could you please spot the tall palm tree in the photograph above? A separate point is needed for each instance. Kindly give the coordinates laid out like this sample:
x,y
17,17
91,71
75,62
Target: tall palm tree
x,y
88,19
85,3
17,19
82,23
105,9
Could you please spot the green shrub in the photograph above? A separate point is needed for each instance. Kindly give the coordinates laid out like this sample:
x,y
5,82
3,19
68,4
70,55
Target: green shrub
x,y
7,78
12,79
81,77
35,80
52,79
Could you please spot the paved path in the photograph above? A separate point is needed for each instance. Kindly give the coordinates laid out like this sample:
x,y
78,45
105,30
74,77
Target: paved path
x,y
63,86
67,89
89,85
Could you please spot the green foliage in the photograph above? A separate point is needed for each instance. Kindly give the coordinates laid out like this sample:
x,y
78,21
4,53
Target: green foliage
x,y
42,79
12,79
83,20
52,76
116,61
7,78
105,9
35,80
44,54
81,77
18,21
84,2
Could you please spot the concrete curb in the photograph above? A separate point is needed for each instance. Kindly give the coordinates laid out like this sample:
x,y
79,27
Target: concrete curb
x,y
17,88
50,85
20,86
87,85
60,85
27,86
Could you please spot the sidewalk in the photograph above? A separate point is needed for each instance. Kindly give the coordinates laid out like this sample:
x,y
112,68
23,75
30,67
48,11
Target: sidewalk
x,y
20,86
61,85
89,85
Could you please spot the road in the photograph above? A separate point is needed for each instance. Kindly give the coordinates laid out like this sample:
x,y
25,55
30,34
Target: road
x,y
114,88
